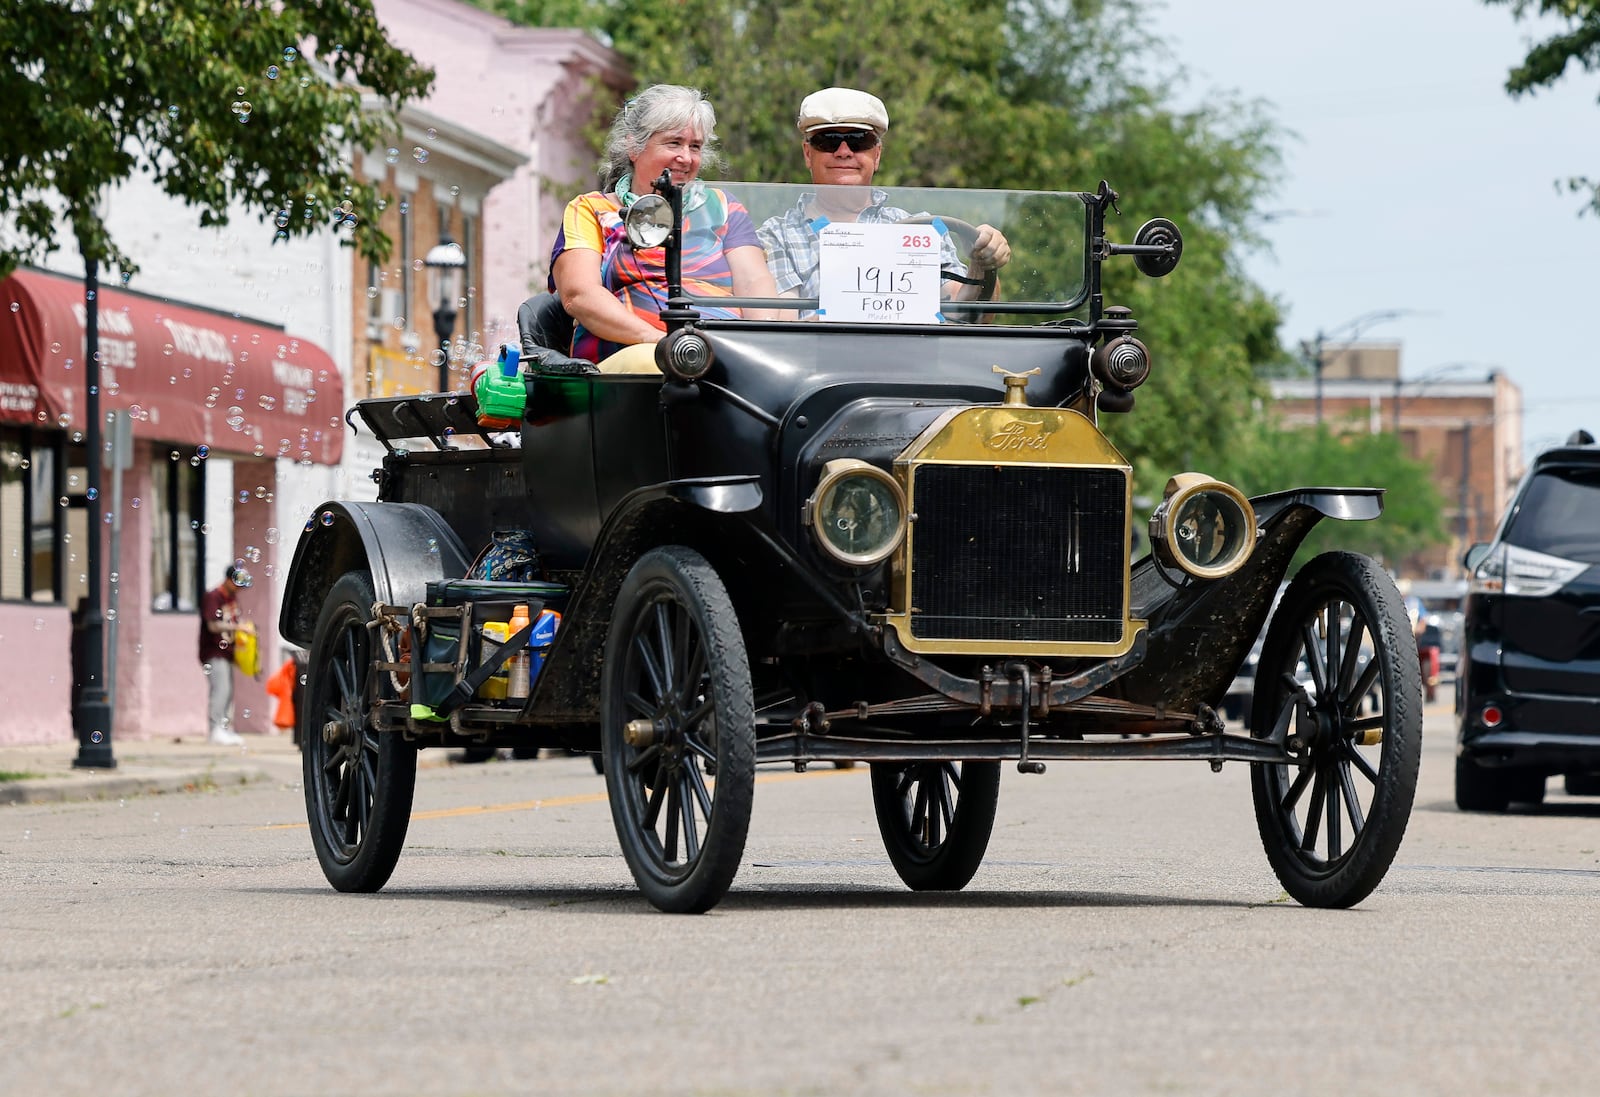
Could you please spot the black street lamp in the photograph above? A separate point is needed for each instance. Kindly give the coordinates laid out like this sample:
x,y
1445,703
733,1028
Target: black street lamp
x,y
1347,332
91,708
446,267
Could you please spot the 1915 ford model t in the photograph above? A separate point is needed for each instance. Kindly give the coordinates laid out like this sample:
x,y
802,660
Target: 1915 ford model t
x,y
905,543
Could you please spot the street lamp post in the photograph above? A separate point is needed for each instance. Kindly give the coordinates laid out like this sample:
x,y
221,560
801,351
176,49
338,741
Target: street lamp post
x,y
446,265
91,708
1348,332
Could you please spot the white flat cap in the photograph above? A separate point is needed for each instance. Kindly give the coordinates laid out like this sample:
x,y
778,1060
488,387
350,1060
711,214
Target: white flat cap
x,y
842,108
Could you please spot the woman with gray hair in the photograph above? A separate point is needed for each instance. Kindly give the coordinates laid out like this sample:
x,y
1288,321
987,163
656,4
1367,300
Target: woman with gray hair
x,y
615,293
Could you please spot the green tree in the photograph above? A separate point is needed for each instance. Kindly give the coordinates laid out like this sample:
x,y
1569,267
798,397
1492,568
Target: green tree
x,y
1022,94
1547,60
224,103
1269,457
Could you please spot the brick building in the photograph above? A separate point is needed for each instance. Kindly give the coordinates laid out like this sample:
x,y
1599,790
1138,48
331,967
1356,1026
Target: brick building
x,y
1462,420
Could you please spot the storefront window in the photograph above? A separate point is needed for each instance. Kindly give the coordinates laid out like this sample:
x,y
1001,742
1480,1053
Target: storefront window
x,y
32,519
177,531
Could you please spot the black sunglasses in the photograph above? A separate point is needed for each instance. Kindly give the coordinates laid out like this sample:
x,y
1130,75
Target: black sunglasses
x,y
858,140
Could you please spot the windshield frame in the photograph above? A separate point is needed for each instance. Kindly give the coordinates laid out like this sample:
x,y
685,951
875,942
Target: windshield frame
x,y
1003,208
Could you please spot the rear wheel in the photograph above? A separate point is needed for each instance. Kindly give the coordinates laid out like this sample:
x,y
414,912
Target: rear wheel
x,y
1479,788
1582,784
678,730
358,783
935,818
1339,671
1527,786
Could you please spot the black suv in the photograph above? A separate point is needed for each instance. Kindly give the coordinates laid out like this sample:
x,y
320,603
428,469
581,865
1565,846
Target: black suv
x,y
1528,696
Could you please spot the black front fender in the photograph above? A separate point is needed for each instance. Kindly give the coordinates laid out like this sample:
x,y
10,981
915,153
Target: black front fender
x,y
402,545
1201,632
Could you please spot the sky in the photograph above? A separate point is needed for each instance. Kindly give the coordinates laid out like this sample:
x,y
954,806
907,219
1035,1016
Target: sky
x,y
1414,182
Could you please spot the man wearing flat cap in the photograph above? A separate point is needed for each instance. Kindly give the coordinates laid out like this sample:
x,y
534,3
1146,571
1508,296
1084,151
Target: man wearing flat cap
x,y
843,132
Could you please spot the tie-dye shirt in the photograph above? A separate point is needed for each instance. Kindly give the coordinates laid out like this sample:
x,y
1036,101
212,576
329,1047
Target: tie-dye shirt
x,y
639,278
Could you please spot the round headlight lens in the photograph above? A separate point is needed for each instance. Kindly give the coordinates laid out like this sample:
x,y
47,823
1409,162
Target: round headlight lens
x,y
1203,526
1209,529
858,513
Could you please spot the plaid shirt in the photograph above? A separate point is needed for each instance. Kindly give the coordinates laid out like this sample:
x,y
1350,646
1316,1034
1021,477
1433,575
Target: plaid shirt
x,y
794,250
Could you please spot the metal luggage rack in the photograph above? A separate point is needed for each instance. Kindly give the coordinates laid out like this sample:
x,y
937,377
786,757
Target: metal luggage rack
x,y
401,637
436,416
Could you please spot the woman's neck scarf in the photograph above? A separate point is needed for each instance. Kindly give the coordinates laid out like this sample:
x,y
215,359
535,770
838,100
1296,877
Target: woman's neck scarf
x,y
694,193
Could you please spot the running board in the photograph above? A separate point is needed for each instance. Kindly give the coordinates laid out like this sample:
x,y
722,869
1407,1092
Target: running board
x,y
1216,749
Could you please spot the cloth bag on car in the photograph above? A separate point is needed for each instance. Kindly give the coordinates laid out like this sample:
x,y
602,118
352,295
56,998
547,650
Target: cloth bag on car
x,y
509,557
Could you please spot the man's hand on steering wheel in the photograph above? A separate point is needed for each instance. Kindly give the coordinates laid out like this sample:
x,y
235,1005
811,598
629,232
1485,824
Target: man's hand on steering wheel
x,y
990,251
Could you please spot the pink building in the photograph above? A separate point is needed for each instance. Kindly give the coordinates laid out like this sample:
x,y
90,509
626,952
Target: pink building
x,y
532,89
491,157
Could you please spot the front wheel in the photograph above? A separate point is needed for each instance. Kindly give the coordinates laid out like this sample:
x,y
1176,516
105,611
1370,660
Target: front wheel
x,y
935,819
358,783
678,730
1339,678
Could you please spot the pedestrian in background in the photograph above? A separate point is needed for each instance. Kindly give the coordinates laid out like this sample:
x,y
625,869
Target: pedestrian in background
x,y
220,621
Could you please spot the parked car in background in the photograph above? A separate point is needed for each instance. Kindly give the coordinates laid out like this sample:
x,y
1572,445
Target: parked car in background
x,y
1528,691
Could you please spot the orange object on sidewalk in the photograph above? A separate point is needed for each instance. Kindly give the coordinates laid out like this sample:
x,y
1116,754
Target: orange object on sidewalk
x,y
281,685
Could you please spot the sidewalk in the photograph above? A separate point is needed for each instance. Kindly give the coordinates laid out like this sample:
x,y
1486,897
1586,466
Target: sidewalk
x,y
45,774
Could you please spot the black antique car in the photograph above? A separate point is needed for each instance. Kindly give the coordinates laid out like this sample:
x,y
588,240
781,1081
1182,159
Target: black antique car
x,y
823,539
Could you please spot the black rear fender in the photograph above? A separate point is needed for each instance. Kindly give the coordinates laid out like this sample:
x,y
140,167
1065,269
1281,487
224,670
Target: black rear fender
x,y
401,545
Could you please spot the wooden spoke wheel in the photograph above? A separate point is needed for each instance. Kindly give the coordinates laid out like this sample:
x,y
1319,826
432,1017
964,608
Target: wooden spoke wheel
x,y
1338,675
935,818
358,783
678,730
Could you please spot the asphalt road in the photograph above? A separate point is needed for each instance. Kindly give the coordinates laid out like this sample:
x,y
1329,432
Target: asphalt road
x,y
1125,936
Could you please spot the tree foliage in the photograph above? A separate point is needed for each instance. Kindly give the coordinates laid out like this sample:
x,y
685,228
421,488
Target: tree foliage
x,y
1022,94
1547,60
224,103
1048,95
1268,457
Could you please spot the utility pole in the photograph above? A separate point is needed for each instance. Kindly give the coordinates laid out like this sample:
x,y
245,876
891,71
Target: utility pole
x,y
1348,332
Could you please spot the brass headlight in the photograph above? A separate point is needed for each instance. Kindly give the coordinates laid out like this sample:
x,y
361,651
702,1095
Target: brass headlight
x,y
857,513
1203,527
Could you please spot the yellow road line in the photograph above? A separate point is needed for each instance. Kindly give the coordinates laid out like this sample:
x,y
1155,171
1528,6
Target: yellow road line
x,y
557,802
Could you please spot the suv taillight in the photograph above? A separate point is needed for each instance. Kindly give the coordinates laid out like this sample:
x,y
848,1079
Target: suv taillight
x,y
1508,569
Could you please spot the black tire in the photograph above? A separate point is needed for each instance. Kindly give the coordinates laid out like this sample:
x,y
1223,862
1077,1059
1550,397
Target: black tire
x,y
935,819
1582,784
359,785
1527,786
1341,621
675,659
1479,788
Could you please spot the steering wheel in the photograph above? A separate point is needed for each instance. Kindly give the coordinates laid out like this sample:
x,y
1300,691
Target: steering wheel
x,y
968,235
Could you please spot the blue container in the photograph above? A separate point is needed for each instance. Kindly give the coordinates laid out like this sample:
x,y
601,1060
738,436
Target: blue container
x,y
544,634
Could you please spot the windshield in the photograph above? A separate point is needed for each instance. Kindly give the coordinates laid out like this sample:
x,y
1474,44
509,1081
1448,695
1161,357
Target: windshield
x,y
903,254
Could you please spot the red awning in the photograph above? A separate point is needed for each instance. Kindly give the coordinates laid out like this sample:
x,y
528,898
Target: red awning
x,y
186,375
